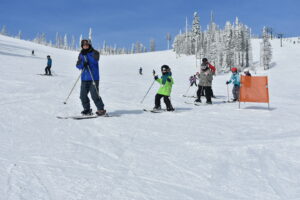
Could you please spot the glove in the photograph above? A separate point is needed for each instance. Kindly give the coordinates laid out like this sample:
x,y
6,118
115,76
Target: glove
x,y
169,80
227,82
155,77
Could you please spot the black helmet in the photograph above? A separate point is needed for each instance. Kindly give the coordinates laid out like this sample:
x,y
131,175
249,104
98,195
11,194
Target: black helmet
x,y
48,56
204,60
85,41
165,67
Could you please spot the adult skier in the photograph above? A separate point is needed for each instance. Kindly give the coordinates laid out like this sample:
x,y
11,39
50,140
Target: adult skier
x,y
213,69
235,79
48,67
166,81
88,62
205,82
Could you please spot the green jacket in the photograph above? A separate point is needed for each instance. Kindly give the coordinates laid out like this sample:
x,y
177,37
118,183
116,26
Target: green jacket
x,y
165,89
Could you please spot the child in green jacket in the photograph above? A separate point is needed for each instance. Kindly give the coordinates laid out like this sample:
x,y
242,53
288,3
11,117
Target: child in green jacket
x,y
166,82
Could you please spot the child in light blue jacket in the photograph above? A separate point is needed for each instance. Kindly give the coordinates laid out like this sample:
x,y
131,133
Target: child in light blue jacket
x,y
235,79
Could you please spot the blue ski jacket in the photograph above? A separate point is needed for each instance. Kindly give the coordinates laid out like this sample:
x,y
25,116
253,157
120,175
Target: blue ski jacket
x,y
49,62
89,60
235,79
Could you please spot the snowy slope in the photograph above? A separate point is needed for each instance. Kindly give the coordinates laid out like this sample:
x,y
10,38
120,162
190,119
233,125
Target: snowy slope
x,y
206,152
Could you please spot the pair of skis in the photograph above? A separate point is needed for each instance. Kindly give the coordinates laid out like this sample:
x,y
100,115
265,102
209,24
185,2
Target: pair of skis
x,y
79,117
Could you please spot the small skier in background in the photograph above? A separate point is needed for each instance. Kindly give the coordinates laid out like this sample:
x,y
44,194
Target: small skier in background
x,y
193,80
235,79
32,52
48,67
166,82
141,71
247,72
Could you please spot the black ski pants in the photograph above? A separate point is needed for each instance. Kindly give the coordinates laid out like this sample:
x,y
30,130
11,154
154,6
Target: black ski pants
x,y
166,100
207,90
47,70
86,87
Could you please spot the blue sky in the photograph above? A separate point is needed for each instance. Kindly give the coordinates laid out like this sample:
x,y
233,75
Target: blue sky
x,y
124,22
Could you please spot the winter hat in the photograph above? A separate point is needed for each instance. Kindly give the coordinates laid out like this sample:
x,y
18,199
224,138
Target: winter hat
x,y
234,69
48,56
204,60
85,41
246,70
165,68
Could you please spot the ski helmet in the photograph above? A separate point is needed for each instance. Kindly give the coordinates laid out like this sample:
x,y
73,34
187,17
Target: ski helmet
x,y
85,42
165,68
234,69
204,60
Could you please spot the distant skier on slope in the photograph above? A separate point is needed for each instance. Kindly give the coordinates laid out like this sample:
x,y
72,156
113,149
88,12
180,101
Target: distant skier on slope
x,y
206,77
235,79
193,80
32,52
166,82
141,71
247,72
213,69
88,62
48,67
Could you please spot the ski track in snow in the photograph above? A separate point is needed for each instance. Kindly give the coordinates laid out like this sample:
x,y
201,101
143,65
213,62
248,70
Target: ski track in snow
x,y
211,152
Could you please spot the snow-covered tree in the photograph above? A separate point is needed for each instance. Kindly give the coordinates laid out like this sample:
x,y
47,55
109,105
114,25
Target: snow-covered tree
x,y
152,45
3,30
66,42
90,34
19,36
265,50
169,38
80,39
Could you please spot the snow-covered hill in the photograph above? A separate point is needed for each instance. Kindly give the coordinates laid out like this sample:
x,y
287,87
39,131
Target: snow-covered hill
x,y
208,152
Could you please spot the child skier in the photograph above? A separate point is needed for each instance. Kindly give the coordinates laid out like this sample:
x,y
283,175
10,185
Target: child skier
x,y
235,79
193,80
205,82
48,67
166,82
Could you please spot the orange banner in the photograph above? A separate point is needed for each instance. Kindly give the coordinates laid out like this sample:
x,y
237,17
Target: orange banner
x,y
254,89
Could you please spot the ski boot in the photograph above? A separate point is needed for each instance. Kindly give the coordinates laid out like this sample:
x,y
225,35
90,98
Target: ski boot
x,y
100,112
157,108
87,112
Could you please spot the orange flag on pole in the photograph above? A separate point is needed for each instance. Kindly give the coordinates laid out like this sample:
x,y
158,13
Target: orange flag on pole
x,y
254,89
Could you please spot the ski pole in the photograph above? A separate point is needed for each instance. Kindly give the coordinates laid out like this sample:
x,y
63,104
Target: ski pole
x,y
148,91
94,83
186,91
227,93
65,102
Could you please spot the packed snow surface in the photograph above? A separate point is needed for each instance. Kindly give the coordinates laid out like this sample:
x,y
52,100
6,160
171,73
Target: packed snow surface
x,y
209,152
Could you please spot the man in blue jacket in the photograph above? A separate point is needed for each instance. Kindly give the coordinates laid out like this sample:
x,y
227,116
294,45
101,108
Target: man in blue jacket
x,y
88,62
48,67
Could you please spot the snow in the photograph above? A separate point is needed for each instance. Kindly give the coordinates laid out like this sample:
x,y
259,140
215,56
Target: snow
x,y
206,152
